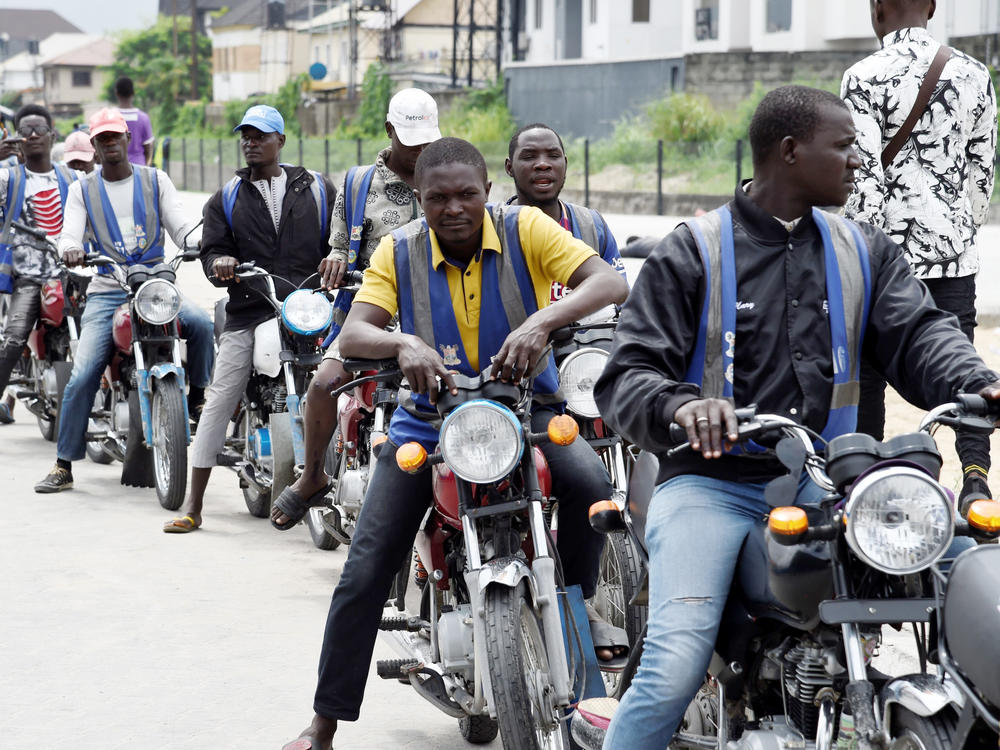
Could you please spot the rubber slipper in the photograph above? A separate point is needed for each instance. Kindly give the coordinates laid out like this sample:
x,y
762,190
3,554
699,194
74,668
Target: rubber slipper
x,y
301,743
294,506
181,525
5,416
606,635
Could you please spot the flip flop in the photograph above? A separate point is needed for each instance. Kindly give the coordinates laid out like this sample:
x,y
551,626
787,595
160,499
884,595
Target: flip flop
x,y
294,506
5,416
181,525
305,742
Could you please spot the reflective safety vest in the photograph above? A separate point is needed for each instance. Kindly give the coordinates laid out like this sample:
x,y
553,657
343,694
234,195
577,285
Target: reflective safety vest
x,y
426,310
317,187
848,291
103,224
13,207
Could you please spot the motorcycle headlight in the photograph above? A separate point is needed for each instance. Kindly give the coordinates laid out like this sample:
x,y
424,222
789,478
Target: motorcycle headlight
x,y
157,302
577,375
899,520
307,313
481,441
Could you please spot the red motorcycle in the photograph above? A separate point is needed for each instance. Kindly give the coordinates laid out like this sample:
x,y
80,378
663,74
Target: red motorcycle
x,y
45,366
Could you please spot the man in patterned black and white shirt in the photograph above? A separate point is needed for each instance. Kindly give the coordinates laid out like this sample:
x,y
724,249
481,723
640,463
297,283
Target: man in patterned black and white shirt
x,y
935,194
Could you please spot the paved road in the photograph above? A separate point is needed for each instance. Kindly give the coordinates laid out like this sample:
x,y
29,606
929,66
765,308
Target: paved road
x,y
116,635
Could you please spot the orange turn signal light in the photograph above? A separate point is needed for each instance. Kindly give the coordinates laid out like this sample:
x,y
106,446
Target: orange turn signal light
x,y
563,429
984,515
788,521
411,457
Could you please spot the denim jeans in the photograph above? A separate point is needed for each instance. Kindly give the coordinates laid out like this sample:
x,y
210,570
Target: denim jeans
x,y
94,351
25,306
394,505
694,531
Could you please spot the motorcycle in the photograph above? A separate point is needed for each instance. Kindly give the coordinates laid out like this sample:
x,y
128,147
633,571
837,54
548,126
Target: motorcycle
x,y
362,422
581,351
487,646
266,443
43,371
813,589
140,413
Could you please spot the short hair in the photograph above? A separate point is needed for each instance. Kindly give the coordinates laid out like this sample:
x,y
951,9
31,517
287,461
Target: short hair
x,y
512,146
124,87
448,151
788,110
32,109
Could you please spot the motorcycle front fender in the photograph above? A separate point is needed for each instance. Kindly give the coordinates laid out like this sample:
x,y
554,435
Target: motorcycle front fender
x,y
923,694
161,371
506,571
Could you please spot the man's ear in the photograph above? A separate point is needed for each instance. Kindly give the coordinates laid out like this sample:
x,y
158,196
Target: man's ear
x,y
786,149
489,186
388,129
930,11
508,167
281,140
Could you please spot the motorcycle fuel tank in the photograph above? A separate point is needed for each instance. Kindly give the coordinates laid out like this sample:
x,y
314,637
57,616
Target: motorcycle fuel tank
x,y
53,303
121,328
267,348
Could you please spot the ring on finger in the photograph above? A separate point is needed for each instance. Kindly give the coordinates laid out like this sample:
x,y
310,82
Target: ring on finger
x,y
701,420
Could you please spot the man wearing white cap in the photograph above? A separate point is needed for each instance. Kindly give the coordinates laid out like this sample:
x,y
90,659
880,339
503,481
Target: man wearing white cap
x,y
373,201
78,152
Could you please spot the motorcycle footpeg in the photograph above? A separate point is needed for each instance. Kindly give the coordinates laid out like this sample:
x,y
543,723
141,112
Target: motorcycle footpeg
x,y
228,459
395,669
411,624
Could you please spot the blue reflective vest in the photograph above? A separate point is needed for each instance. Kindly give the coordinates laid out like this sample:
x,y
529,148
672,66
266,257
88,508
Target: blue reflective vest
x,y
103,224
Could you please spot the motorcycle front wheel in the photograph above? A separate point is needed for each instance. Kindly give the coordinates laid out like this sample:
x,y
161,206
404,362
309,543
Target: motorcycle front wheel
x,y
519,668
913,732
169,443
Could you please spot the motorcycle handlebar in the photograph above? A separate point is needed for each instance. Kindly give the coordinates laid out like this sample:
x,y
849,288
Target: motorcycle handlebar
x,y
361,365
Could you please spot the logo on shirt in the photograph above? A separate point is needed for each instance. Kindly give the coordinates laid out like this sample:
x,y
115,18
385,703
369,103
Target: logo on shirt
x,y
140,234
746,305
356,233
449,354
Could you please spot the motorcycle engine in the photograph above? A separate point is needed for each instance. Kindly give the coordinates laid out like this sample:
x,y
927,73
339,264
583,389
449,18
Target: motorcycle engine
x,y
49,385
808,668
455,640
351,489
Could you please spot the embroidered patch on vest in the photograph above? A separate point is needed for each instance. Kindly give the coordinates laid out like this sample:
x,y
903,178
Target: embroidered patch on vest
x,y
449,354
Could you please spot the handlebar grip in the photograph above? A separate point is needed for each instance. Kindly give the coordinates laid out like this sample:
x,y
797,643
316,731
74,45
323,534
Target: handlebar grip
x,y
352,277
360,365
973,403
244,267
678,434
96,259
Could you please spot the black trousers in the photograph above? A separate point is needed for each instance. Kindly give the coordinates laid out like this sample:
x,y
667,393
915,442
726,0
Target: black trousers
x,y
394,505
25,306
957,296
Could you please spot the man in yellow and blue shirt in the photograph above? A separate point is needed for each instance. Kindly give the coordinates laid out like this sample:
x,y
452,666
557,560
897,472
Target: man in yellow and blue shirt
x,y
495,266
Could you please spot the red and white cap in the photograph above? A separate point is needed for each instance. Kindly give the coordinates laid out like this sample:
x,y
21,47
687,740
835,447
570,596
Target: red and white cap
x,y
413,114
107,120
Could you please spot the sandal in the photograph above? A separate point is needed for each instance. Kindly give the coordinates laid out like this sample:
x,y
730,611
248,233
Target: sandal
x,y
606,635
181,525
294,506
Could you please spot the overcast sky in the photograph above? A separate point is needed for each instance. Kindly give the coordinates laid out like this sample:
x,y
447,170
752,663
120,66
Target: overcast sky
x,y
96,16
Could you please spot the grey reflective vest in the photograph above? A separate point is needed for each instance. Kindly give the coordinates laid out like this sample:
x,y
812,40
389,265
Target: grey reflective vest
x,y
103,224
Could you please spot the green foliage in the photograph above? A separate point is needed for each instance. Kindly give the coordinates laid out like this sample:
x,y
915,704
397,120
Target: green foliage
x,y
481,116
161,78
376,91
687,118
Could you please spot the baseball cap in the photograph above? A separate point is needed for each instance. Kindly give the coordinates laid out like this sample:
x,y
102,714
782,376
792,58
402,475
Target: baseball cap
x,y
107,120
266,119
77,147
414,115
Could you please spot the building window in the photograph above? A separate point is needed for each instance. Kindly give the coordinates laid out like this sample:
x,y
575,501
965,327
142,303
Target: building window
x,y
779,15
593,11
640,11
81,79
538,14
706,20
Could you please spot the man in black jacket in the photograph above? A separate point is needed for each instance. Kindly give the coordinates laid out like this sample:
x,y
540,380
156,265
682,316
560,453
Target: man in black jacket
x,y
273,215
810,294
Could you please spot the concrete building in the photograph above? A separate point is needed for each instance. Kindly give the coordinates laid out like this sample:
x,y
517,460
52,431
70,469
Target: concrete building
x,y
76,80
22,29
23,72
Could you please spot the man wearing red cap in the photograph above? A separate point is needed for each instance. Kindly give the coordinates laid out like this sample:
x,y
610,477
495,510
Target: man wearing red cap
x,y
125,208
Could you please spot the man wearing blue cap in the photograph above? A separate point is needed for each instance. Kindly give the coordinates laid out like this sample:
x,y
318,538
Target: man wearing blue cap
x,y
277,216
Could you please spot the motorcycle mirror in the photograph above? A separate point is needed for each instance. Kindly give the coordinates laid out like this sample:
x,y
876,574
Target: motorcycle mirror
x,y
781,491
792,454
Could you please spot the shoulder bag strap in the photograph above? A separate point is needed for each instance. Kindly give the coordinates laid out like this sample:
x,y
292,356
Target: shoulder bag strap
x,y
919,106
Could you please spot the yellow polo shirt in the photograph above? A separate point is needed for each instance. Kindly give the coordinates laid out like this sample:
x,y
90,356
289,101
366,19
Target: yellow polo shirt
x,y
550,252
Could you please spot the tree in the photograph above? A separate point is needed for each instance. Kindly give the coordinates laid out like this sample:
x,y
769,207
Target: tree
x,y
161,78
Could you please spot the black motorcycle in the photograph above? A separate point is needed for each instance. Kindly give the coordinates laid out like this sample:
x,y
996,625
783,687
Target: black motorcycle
x,y
813,589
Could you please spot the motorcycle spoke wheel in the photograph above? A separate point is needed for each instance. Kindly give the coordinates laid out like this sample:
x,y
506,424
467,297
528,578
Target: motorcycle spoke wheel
x,y
617,582
169,444
519,672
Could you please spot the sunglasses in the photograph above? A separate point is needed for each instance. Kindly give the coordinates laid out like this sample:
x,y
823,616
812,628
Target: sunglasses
x,y
26,131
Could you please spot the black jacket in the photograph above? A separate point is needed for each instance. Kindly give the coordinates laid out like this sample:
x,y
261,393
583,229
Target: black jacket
x,y
783,352
293,253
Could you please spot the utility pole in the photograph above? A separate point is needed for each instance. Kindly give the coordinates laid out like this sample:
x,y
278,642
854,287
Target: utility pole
x,y
454,48
194,49
173,15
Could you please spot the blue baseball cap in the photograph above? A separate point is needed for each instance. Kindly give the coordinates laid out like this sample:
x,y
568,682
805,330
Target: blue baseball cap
x,y
266,119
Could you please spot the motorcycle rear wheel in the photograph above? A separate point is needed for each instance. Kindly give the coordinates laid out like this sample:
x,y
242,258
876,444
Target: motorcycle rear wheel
x,y
169,443
913,732
518,664
322,539
618,580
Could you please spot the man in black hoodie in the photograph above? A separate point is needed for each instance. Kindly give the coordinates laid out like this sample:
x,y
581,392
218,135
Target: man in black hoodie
x,y
277,216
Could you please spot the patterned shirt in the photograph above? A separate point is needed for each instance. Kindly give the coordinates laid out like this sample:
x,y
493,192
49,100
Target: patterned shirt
x,y
391,204
936,193
34,259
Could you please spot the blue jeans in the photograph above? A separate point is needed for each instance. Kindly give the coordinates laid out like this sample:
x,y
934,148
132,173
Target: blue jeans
x,y
94,351
694,532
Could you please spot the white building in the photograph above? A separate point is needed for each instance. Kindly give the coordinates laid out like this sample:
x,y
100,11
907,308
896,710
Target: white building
x,y
23,72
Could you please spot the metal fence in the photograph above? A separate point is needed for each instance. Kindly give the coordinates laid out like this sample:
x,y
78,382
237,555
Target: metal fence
x,y
641,174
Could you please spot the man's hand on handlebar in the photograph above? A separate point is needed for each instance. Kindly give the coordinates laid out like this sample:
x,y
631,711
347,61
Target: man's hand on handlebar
x,y
520,351
74,257
705,419
331,271
225,268
422,366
